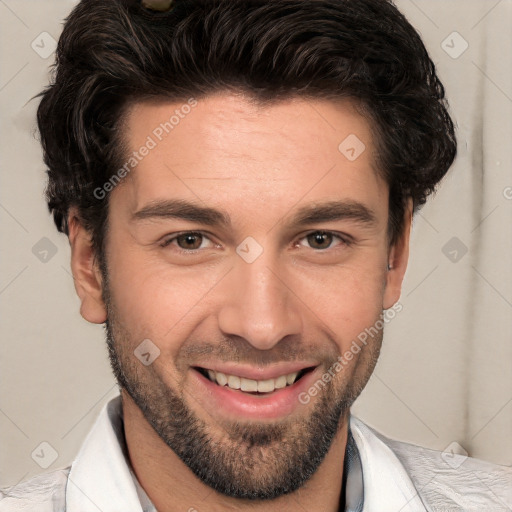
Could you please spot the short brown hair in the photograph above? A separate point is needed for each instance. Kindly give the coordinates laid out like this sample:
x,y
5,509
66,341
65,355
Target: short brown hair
x,y
113,53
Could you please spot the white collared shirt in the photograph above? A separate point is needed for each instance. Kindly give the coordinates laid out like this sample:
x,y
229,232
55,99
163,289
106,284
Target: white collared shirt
x,y
101,479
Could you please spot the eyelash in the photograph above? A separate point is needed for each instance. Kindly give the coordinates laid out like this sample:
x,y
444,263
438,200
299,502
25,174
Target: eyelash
x,y
345,240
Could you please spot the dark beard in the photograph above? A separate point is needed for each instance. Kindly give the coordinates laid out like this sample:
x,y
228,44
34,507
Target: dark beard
x,y
256,461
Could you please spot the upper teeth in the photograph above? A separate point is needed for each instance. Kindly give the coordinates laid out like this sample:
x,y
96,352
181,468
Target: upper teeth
x,y
262,386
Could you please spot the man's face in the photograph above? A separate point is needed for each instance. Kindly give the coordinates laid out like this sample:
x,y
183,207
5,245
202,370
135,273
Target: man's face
x,y
268,295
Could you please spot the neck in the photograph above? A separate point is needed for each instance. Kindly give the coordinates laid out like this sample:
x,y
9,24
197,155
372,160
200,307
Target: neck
x,y
172,487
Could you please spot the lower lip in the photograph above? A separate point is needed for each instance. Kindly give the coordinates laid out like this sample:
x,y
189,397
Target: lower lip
x,y
236,404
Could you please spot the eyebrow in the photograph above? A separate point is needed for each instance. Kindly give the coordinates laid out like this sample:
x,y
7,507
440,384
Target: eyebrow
x,y
185,210
310,214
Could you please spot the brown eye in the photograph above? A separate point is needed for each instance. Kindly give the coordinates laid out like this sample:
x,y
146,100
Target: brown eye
x,y
189,241
320,239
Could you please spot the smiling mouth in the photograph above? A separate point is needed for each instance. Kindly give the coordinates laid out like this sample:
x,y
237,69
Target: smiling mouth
x,y
251,386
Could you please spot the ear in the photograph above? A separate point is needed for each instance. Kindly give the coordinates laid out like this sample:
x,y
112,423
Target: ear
x,y
398,258
86,273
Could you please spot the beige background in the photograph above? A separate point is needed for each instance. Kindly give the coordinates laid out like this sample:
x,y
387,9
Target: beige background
x,y
446,370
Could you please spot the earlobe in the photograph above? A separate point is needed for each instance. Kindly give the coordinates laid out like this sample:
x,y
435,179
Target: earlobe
x,y
86,274
397,261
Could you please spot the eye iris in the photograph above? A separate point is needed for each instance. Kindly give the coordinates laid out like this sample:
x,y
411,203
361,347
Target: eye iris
x,y
189,239
320,238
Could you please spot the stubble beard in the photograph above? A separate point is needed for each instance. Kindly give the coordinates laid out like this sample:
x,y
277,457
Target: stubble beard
x,y
256,460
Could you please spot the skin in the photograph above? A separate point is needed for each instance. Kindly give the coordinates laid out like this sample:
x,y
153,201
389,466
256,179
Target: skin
x,y
298,301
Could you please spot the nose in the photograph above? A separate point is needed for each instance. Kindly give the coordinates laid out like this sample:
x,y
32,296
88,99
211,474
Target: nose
x,y
258,304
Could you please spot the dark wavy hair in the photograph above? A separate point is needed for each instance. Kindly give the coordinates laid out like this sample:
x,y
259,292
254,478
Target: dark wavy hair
x,y
117,52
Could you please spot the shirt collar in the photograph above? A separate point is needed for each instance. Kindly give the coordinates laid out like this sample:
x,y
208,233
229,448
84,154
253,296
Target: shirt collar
x,y
352,477
101,474
386,484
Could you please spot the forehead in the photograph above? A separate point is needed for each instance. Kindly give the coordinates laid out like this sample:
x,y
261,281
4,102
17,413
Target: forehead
x,y
228,150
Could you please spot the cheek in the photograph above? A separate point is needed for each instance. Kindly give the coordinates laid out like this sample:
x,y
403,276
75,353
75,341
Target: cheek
x,y
166,303
346,300
153,301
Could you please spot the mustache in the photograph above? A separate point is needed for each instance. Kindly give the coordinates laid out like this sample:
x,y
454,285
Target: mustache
x,y
241,351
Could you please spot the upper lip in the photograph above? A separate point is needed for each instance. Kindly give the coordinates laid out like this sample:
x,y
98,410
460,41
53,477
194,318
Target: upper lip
x,y
257,372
